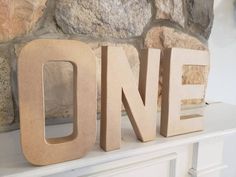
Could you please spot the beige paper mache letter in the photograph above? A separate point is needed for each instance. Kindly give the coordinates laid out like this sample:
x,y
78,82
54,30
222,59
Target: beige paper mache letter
x,y
172,123
119,85
37,149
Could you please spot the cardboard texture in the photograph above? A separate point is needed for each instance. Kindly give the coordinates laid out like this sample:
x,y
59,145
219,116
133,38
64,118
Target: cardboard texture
x,y
119,86
172,123
37,149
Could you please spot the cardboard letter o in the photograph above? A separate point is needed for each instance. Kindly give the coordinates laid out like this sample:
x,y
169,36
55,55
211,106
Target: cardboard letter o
x,y
37,149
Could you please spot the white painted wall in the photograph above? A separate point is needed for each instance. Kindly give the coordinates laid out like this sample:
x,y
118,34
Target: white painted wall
x,y
222,79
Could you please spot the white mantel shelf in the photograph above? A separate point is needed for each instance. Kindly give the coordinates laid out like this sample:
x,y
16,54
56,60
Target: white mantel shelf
x,y
220,120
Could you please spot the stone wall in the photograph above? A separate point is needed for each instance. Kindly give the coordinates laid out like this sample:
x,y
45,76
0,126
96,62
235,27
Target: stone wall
x,y
132,25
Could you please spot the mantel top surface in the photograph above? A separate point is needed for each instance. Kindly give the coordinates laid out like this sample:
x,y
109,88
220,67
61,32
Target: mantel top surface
x,y
219,120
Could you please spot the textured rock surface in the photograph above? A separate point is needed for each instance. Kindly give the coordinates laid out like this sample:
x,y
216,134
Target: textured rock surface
x,y
117,21
170,10
18,17
103,18
6,105
58,78
200,16
165,37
